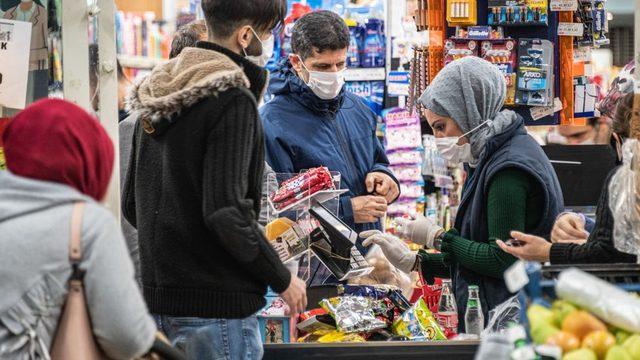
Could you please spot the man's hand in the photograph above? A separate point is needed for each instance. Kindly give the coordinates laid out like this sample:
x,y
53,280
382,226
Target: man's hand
x,y
379,183
295,296
531,248
569,227
368,209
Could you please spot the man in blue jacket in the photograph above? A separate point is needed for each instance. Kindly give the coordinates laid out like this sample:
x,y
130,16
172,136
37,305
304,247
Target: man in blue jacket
x,y
311,120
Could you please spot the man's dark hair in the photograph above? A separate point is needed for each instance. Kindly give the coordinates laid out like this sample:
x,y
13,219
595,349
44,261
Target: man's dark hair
x,y
187,36
622,119
319,31
225,16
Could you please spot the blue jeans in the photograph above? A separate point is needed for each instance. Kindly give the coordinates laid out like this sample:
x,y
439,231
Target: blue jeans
x,y
213,339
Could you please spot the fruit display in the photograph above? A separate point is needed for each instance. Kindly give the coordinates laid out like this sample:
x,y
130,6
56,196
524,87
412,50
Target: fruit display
x,y
580,334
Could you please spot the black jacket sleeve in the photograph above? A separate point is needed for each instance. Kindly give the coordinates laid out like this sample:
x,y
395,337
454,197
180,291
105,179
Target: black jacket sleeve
x,y
599,248
227,210
128,194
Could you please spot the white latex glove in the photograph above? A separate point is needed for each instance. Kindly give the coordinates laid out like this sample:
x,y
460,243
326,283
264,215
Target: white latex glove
x,y
395,250
421,231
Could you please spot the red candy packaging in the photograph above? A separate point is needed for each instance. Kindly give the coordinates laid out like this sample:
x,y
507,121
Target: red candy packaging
x,y
301,186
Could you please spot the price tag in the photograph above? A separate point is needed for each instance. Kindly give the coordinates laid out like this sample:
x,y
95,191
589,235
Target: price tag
x,y
538,112
564,5
582,54
515,277
570,29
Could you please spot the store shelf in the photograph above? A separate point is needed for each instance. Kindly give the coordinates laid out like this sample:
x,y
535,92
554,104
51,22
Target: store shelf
x,y
365,74
138,62
450,350
303,204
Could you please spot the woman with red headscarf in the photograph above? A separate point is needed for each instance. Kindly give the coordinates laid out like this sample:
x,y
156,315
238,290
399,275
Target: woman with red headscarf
x,y
58,155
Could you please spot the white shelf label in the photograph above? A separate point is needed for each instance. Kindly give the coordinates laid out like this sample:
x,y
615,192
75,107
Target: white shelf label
x,y
570,29
564,5
365,74
582,54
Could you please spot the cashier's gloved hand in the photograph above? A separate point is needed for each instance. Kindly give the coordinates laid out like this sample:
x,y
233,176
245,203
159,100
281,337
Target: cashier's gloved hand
x,y
421,231
396,250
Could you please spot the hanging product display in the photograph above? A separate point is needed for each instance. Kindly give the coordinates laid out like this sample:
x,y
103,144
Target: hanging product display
x,y
593,15
518,12
462,12
535,85
503,55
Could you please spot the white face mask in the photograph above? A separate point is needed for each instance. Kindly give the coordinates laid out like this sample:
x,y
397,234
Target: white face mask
x,y
267,52
450,150
326,85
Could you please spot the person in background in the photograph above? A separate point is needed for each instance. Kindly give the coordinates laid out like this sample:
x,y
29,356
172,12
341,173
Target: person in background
x,y
193,187
511,185
575,227
94,83
312,120
187,36
58,155
598,247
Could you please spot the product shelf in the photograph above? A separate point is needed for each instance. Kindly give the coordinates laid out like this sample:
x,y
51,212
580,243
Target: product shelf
x,y
365,74
303,204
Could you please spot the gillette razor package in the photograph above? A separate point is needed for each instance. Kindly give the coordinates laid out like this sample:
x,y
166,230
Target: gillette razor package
x,y
535,78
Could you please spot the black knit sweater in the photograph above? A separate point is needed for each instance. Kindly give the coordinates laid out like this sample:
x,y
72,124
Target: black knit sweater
x,y
193,191
599,248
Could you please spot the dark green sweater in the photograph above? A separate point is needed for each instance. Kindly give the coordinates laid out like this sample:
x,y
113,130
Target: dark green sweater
x,y
515,202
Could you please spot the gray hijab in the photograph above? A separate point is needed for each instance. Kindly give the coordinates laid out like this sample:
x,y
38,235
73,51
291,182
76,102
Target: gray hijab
x,y
470,91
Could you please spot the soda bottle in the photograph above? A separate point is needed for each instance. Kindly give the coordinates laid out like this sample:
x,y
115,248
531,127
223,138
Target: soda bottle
x,y
447,314
473,318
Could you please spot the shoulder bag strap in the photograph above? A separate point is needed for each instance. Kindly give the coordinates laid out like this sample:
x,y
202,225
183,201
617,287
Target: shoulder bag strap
x,y
75,247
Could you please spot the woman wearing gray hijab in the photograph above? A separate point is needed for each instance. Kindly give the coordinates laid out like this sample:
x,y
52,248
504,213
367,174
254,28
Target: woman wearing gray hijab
x,y
511,185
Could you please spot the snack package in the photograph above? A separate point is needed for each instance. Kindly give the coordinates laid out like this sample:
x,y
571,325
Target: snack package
x,y
301,186
418,323
340,337
353,313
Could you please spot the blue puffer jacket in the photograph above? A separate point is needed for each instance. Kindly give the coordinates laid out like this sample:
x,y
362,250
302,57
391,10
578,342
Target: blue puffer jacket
x,y
303,131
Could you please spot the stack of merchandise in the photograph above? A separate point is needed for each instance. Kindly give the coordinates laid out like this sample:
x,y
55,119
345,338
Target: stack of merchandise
x,y
141,36
369,313
403,143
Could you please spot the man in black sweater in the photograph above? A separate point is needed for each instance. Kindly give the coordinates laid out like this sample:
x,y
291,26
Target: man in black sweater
x,y
193,188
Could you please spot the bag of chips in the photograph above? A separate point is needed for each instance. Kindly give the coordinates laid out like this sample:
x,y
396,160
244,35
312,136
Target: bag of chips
x,y
418,323
352,314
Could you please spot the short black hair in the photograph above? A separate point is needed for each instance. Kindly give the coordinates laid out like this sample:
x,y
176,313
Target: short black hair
x,y
223,17
319,31
187,36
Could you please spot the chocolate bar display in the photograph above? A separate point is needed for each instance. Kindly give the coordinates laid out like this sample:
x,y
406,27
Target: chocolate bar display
x,y
301,186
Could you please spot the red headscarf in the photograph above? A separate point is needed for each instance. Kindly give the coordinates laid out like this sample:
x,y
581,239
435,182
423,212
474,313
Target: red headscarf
x,y
55,140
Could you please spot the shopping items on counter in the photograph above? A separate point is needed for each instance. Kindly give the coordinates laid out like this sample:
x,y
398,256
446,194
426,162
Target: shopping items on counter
x,y
605,300
503,316
624,193
316,320
418,323
301,186
352,314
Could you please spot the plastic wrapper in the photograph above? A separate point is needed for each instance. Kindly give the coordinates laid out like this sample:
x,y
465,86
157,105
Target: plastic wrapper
x,y
353,313
624,200
411,173
610,303
340,337
503,316
408,137
418,323
403,157
412,190
376,292
302,185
